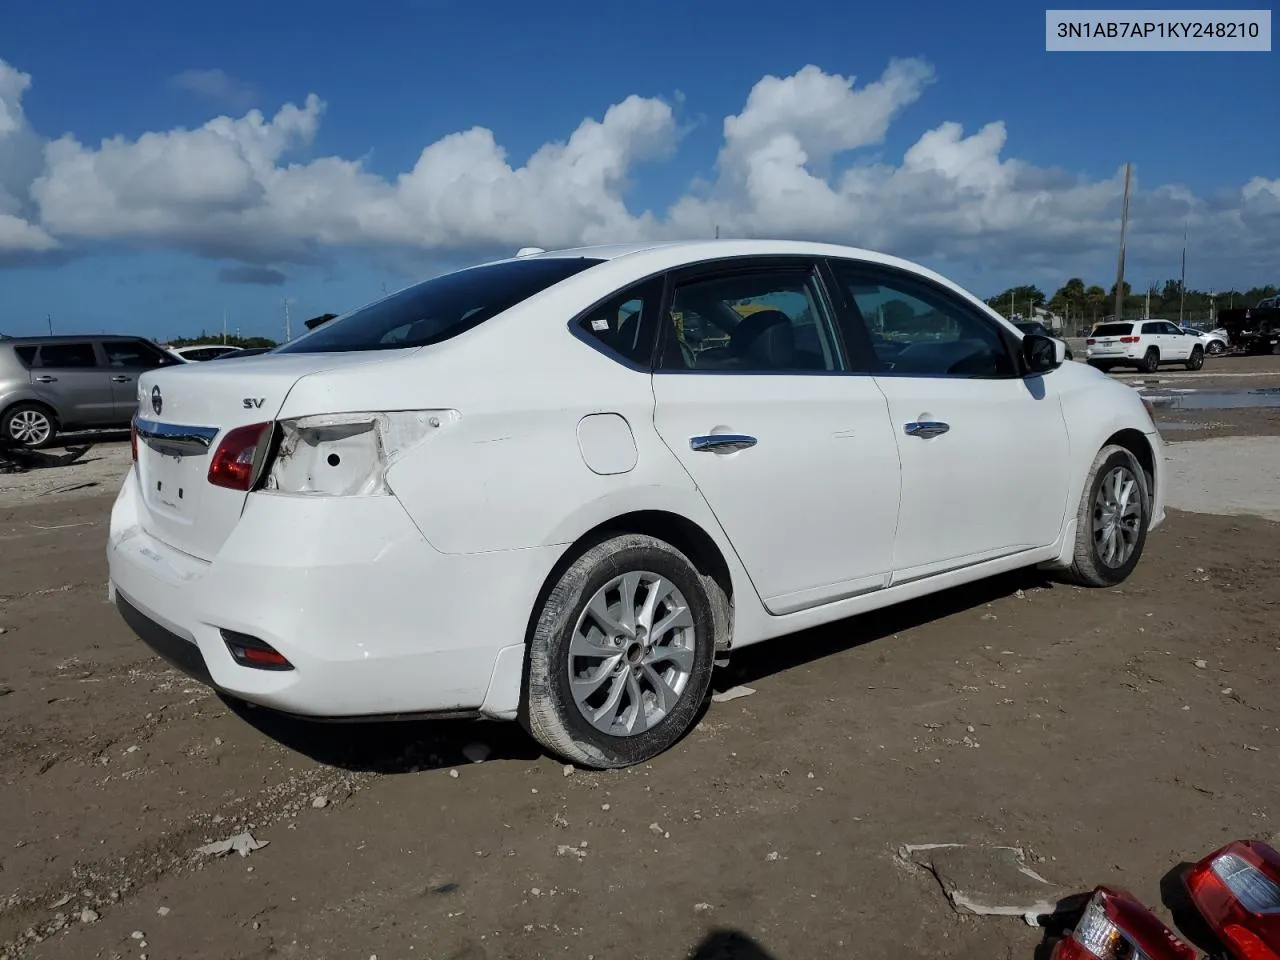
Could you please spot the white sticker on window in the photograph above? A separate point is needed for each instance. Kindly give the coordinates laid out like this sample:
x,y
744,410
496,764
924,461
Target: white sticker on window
x,y
602,323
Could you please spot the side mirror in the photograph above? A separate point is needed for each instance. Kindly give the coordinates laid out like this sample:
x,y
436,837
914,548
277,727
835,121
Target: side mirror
x,y
1042,354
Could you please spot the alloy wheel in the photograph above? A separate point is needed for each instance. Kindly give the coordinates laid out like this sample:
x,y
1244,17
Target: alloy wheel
x,y
1117,517
29,427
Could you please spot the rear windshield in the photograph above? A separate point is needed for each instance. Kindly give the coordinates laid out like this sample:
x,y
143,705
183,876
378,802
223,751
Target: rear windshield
x,y
440,308
1113,330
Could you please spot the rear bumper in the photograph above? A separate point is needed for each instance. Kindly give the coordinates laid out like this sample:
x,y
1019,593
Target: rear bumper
x,y
374,620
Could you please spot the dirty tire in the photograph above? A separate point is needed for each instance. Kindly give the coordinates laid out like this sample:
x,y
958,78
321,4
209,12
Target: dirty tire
x,y
1088,568
551,716
22,419
1196,360
1150,361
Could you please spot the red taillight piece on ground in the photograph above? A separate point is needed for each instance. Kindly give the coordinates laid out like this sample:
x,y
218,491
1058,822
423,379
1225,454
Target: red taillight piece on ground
x,y
1237,891
233,462
1116,926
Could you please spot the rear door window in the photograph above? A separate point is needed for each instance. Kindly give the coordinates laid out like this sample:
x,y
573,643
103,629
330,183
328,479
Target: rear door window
x,y
135,354
441,308
26,354
627,324
68,356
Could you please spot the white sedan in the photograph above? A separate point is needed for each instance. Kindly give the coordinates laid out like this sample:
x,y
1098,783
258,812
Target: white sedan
x,y
559,487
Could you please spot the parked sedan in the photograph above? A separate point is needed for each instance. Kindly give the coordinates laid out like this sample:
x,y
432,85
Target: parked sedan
x,y
1214,341
560,487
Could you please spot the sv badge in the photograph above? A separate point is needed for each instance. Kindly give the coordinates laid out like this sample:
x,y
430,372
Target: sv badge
x,y
252,404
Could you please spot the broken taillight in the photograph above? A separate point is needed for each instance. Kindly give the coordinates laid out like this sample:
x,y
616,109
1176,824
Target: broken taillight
x,y
1237,891
133,435
1091,341
1116,926
239,456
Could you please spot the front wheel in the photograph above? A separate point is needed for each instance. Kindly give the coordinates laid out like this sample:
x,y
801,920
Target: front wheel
x,y
1217,348
1111,520
621,654
1196,360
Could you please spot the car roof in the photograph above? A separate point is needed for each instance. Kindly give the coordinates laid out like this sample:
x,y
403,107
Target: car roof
x,y
694,251
69,338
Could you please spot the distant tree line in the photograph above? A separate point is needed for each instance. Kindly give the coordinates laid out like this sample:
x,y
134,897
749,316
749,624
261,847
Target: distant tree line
x,y
1082,306
217,338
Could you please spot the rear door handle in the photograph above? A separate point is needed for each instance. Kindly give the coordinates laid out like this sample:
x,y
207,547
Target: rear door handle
x,y
121,379
721,443
46,379
926,429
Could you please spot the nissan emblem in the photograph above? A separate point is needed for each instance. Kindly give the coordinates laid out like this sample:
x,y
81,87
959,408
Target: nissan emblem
x,y
157,402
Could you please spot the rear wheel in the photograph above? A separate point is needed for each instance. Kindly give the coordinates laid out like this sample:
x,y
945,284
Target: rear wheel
x,y
29,425
1150,361
1196,360
1111,520
621,654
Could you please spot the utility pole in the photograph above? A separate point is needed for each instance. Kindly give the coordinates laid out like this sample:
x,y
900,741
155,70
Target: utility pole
x,y
1011,305
49,318
224,326
1182,282
1124,230
287,336
717,231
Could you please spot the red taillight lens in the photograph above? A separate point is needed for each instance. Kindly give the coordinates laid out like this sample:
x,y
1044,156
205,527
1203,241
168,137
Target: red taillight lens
x,y
1091,341
1128,339
1116,926
133,436
236,461
1237,891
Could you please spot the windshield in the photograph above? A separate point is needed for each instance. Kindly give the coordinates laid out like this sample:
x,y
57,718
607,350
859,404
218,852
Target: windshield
x,y
1114,330
438,309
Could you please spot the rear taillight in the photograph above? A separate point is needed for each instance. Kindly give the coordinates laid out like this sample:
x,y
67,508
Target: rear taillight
x,y
1116,926
1237,891
1091,341
133,436
239,457
1128,339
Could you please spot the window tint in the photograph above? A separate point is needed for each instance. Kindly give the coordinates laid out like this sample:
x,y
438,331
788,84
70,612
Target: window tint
x,y
626,325
750,322
1113,330
438,309
132,353
1153,328
68,355
26,354
917,328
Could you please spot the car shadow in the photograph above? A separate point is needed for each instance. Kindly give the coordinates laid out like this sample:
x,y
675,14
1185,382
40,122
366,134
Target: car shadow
x,y
390,746
409,746
765,659
729,945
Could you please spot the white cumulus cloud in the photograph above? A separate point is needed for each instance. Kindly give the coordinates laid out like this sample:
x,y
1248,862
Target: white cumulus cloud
x,y
803,158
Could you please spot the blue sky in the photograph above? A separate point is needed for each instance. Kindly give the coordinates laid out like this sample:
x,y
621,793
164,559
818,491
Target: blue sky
x,y
400,75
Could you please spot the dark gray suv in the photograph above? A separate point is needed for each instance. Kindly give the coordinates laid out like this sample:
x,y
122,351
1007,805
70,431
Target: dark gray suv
x,y
53,384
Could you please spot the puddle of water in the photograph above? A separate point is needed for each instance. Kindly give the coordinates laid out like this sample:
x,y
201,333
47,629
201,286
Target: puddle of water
x,y
1217,399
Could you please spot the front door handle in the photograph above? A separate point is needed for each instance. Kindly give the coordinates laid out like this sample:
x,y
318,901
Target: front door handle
x,y
721,443
46,379
121,379
926,429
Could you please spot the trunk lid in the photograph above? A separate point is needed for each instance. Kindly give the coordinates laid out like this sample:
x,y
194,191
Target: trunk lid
x,y
183,414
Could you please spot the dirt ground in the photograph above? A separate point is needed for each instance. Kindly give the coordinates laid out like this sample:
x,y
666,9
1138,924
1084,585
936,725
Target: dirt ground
x,y
1112,733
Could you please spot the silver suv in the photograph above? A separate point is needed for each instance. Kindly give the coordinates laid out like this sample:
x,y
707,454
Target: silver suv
x,y
52,384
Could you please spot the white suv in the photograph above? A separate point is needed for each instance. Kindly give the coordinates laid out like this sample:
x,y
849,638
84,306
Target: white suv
x,y
1144,344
